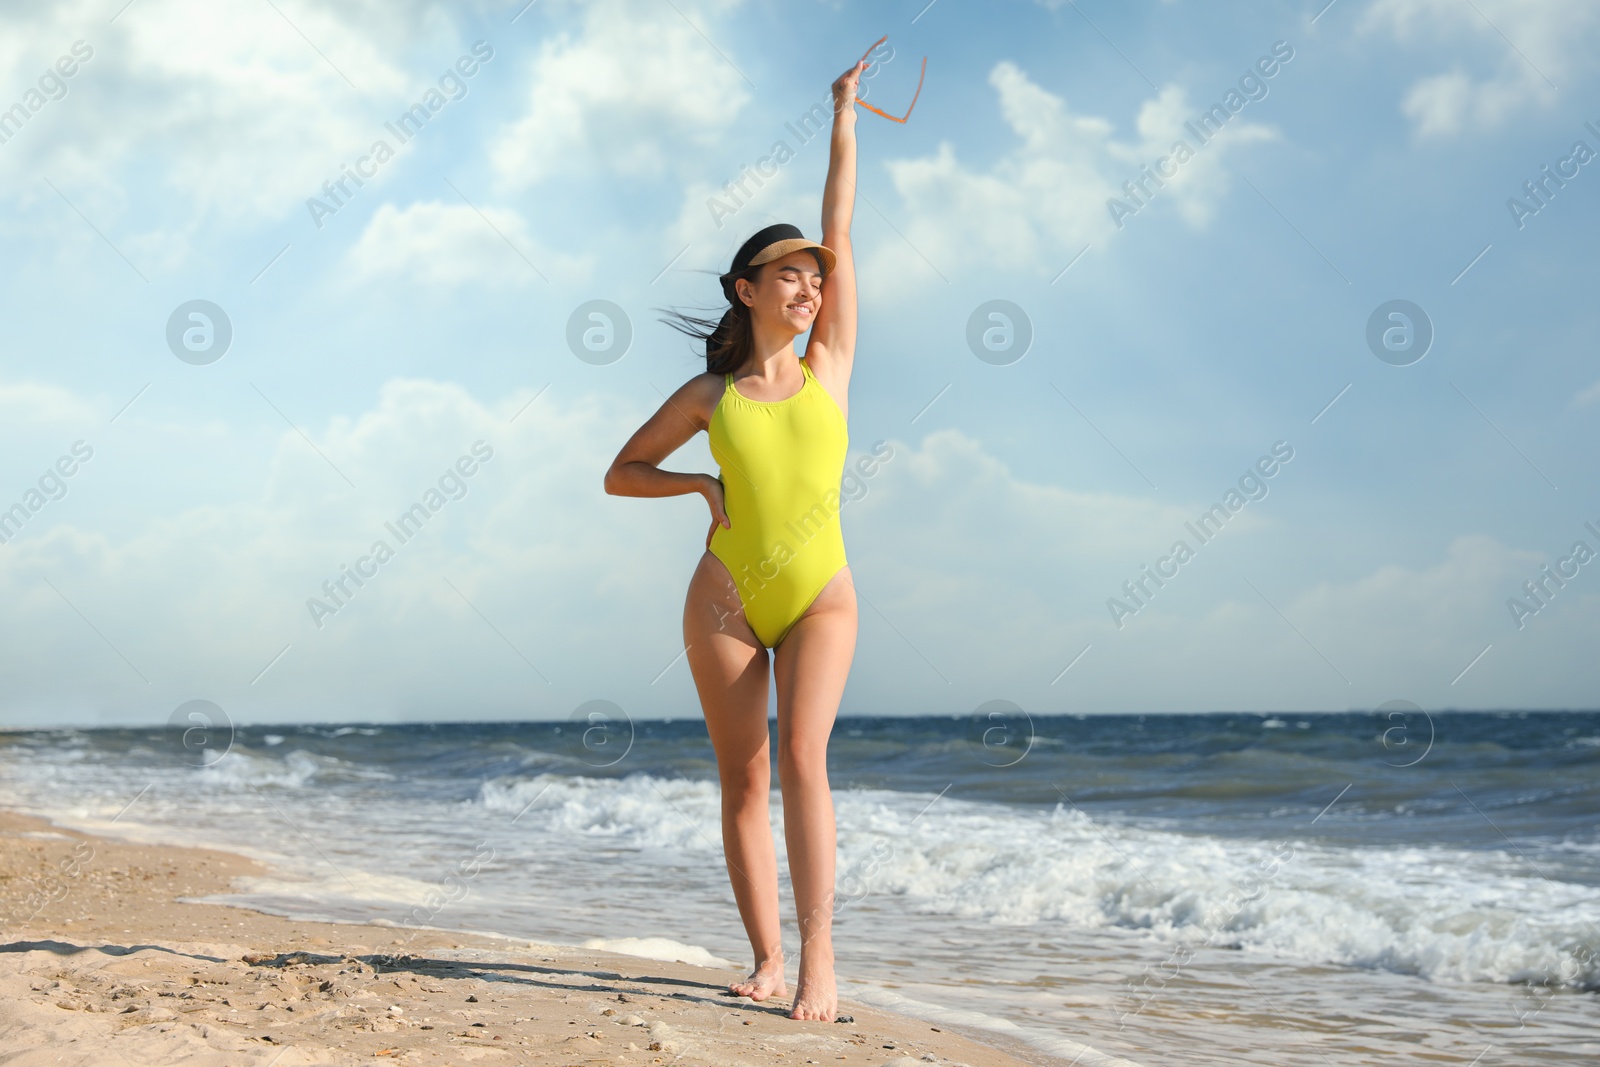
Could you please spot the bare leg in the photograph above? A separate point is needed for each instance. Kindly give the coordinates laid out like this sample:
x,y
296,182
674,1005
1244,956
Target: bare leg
x,y
730,673
811,664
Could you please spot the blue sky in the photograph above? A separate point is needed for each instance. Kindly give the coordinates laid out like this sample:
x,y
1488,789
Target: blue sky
x,y
374,346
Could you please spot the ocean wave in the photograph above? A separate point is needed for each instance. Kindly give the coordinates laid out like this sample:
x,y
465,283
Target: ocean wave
x,y
641,810
1438,913
1435,912
242,768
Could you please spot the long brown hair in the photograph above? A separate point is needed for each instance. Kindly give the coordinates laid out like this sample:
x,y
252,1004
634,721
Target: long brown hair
x,y
730,337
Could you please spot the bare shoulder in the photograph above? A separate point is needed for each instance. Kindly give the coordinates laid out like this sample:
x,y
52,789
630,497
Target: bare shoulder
x,y
697,398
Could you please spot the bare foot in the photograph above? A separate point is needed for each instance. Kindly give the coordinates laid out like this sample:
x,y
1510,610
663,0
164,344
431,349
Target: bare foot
x,y
765,981
815,996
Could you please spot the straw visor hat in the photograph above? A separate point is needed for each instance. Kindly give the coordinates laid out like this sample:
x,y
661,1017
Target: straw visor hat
x,y
766,245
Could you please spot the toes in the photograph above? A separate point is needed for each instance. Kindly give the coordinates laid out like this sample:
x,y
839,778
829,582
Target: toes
x,y
807,1013
758,988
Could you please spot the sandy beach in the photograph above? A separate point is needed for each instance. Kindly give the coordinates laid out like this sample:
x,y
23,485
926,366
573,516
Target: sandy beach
x,y
104,962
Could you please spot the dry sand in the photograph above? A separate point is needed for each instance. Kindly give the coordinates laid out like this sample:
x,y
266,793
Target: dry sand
x,y
101,963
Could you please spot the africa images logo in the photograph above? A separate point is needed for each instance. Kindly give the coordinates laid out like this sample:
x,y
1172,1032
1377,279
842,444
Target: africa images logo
x,y
1252,86
337,191
52,86
452,485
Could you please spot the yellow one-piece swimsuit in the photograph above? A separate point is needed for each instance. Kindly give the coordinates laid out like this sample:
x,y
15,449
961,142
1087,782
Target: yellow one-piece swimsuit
x,y
781,463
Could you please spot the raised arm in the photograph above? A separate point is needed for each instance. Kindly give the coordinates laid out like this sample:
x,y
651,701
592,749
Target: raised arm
x,y
831,349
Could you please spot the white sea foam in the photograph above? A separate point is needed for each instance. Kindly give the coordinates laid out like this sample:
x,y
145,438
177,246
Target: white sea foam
x,y
659,948
640,811
243,768
1079,1054
1440,913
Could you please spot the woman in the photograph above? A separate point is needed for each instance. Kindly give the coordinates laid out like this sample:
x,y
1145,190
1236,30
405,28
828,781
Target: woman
x,y
774,573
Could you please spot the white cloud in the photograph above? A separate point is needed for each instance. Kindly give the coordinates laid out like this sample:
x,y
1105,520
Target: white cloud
x,y
1532,44
200,597
1446,103
214,114
432,243
995,583
1588,396
1047,198
1201,184
639,89
966,570
1392,632
32,405
712,246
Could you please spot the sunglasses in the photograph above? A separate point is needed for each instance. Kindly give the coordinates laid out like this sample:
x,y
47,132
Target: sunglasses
x,y
918,93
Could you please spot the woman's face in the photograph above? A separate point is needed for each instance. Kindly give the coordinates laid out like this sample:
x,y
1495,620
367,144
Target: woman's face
x,y
787,291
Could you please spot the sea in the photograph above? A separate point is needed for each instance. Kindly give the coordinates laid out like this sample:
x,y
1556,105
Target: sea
x,y
1389,887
